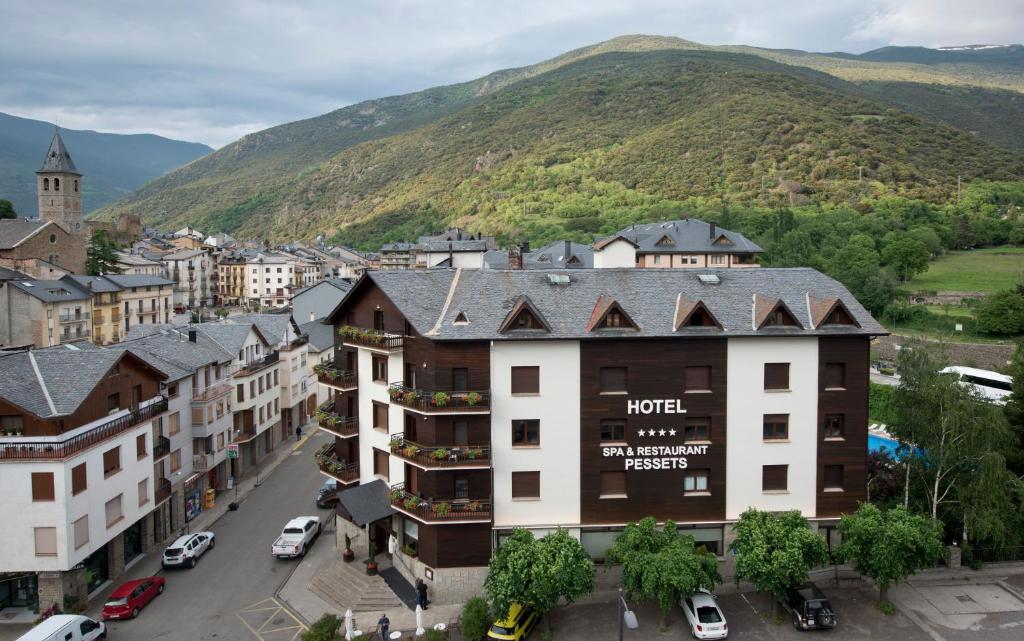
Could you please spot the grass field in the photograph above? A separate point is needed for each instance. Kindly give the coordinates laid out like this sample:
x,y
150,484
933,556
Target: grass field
x,y
977,270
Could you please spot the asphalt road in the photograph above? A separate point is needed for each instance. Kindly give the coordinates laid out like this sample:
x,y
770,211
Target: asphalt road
x,y
228,596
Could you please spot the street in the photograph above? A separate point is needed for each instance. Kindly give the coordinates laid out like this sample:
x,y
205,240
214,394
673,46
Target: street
x,y
229,595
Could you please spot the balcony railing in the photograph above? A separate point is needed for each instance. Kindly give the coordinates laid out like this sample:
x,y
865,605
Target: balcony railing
x,y
329,421
371,338
339,469
203,462
59,447
440,510
255,366
440,402
440,457
74,318
328,375
161,447
163,491
203,394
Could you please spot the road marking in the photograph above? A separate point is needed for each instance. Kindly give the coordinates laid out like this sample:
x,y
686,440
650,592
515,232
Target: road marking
x,y
744,597
267,620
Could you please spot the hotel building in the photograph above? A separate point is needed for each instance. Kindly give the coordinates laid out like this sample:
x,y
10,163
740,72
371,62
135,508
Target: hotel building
x,y
466,403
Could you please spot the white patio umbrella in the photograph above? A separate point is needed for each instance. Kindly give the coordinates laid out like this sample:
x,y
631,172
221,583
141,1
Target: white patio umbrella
x,y
348,625
419,621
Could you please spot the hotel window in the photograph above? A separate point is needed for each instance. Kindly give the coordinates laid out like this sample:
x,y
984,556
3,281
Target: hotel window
x,y
697,428
140,446
78,479
833,477
42,486
697,379
112,461
613,430
774,478
525,432
834,425
461,487
613,380
81,527
143,492
380,463
776,376
613,485
525,485
835,375
461,431
460,379
776,427
695,482
411,534
46,541
526,380
113,511
380,416
380,369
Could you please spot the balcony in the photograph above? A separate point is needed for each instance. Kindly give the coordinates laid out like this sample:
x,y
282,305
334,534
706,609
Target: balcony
x,y
74,318
77,440
163,491
439,402
344,380
203,462
203,394
440,457
440,510
342,426
340,470
254,366
161,447
372,339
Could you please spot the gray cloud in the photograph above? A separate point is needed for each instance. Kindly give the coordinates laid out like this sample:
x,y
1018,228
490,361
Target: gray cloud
x,y
213,71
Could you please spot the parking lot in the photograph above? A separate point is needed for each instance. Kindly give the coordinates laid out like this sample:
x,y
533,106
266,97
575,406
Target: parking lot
x,y
956,609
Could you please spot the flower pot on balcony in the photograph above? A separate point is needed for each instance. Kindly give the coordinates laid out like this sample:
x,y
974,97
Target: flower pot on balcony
x,y
371,568
348,556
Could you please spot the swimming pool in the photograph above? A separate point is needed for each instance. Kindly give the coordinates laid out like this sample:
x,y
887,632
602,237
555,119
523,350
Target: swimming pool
x,y
877,443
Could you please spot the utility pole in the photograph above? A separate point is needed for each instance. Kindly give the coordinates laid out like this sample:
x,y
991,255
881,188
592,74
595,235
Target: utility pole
x,y
860,173
958,188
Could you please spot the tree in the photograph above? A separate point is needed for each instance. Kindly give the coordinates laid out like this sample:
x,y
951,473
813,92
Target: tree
x,y
538,571
662,564
856,266
889,545
906,256
1014,413
326,628
1002,313
776,551
7,209
101,256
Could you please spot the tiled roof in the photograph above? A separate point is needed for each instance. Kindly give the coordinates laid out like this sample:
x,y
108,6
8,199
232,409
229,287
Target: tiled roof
x,y
51,291
648,296
139,280
554,256
58,160
274,326
93,283
13,232
683,236
321,337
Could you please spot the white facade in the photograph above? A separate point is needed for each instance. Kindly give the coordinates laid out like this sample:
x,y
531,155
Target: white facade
x,y
618,253
369,437
261,393
557,407
746,405
460,259
193,273
269,280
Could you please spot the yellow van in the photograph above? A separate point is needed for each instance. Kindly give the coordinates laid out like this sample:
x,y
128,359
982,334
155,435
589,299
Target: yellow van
x,y
516,626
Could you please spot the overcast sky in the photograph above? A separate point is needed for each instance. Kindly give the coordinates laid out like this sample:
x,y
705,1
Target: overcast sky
x,y
213,71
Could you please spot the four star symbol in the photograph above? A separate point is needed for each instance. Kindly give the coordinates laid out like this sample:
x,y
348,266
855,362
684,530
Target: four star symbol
x,y
652,432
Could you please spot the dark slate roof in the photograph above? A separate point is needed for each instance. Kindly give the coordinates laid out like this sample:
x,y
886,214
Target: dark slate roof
x,y
399,246
10,274
687,236
58,160
138,280
367,503
648,296
13,232
93,283
321,337
273,326
230,336
496,259
453,245
51,291
554,256
171,346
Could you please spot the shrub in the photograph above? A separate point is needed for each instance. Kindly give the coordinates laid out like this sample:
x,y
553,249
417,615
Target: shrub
x,y
475,619
326,628
886,608
436,635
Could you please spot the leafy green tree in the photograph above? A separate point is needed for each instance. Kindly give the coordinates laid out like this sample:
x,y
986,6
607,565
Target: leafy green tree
x,y
776,551
538,571
906,256
474,622
1002,313
1014,413
889,545
326,628
7,209
100,255
662,564
856,265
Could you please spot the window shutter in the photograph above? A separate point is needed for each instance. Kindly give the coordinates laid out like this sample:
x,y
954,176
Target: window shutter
x,y
42,486
525,485
613,483
78,479
613,379
526,380
835,375
833,476
774,477
776,376
698,378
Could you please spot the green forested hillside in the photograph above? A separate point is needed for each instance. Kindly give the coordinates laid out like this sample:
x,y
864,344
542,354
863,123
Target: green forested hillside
x,y
574,145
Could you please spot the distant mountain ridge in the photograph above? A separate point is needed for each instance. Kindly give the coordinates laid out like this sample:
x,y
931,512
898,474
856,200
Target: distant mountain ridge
x,y
528,151
113,164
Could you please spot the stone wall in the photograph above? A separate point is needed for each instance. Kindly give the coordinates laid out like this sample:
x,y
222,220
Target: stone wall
x,y
68,250
991,356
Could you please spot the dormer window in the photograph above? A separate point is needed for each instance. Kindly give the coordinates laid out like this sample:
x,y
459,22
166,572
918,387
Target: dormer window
x,y
613,319
839,316
461,319
524,317
780,316
526,320
773,313
608,314
691,313
666,241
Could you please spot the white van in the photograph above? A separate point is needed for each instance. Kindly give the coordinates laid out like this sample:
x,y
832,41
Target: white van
x,y
66,627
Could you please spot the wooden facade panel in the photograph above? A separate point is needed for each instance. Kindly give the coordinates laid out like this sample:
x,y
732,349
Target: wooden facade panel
x,y
452,546
843,391
655,369
447,430
440,484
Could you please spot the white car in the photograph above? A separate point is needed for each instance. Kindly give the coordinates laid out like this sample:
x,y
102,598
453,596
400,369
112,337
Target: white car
x,y
704,616
296,537
187,549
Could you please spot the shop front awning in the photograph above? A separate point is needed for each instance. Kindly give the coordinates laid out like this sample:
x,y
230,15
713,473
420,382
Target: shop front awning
x,y
365,504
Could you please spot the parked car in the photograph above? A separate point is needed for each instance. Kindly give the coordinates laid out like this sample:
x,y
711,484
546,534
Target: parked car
x,y
129,598
327,495
296,537
516,626
704,616
809,608
187,549
66,627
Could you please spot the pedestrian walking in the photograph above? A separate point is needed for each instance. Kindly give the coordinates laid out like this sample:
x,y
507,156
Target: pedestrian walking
x,y
421,593
382,626
298,433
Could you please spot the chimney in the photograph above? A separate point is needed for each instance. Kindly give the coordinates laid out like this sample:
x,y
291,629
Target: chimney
x,y
525,247
451,259
191,335
712,227
515,259
567,252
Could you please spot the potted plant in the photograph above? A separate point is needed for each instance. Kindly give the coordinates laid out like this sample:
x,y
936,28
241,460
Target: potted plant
x,y
396,494
348,555
473,398
371,565
473,506
439,454
410,397
410,451
395,394
442,509
412,502
441,399
473,454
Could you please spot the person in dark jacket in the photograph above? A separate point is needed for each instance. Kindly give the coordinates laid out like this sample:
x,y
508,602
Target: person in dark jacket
x,y
421,594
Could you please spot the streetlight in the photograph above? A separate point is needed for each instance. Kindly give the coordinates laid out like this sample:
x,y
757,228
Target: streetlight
x,y
626,615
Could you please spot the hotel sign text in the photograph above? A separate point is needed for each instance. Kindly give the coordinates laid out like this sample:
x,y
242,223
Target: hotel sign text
x,y
655,457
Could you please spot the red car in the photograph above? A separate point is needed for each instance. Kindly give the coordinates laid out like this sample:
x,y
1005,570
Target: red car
x,y
126,601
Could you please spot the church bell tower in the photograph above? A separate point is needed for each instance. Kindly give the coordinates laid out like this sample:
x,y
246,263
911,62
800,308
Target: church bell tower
x,y
59,186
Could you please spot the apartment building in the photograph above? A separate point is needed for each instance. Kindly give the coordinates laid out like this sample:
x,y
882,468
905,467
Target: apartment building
x,y
195,276
138,265
43,313
104,304
676,244
320,347
467,403
144,300
78,467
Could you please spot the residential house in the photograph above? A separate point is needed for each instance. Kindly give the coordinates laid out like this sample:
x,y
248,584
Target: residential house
x,y
43,313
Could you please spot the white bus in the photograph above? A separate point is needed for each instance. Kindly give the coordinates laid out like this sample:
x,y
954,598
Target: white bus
x,y
993,386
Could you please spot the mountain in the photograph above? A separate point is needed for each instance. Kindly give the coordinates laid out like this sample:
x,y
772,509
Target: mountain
x,y
113,164
576,144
